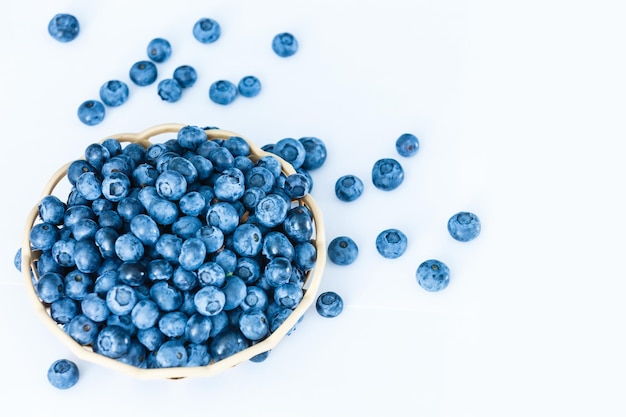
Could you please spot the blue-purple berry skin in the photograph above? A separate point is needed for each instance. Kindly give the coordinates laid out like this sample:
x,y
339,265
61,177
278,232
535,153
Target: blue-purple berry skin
x,y
342,250
407,145
114,93
464,226
143,73
223,92
159,50
284,44
64,27
391,243
387,174
63,374
329,304
186,75
433,275
249,86
169,90
348,188
91,112
206,30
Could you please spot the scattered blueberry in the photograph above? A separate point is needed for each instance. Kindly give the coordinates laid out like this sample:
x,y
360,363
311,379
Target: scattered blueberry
x,y
342,250
206,30
433,275
348,188
249,86
387,174
464,226
91,112
391,243
63,374
407,145
114,93
143,73
186,76
329,304
222,92
169,90
159,50
284,44
64,27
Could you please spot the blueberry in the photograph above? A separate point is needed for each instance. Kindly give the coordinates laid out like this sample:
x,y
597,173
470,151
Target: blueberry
x,y
82,329
63,374
391,243
222,92
52,210
209,300
87,256
151,338
91,112
229,185
187,226
113,145
171,353
159,50
342,250
145,229
171,185
145,314
89,185
212,236
254,324
248,269
387,174
95,308
132,273
198,354
329,304
278,271
192,253
464,226
144,175
227,343
291,150
433,275
168,246
297,185
198,328
115,186
206,30
298,224
63,310
247,240
129,248
114,93
184,167
234,292
186,76
64,27
78,285
271,210
284,44
407,145
163,211
169,90
251,197
255,297
121,299
211,273
112,342
249,86
305,256
136,355
260,177
348,188
173,323
43,236
288,295
166,296
315,152
50,287
143,73
224,216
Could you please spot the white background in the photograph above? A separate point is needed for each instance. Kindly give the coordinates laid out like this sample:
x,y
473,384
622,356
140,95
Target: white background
x,y
519,107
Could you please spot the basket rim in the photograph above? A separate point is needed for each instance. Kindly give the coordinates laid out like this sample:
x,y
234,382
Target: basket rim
x,y
312,282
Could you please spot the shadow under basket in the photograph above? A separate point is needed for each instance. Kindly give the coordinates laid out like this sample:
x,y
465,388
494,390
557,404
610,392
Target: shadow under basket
x,y
159,134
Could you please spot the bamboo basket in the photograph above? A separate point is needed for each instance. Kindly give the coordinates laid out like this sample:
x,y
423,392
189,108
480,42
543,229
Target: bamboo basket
x,y
146,138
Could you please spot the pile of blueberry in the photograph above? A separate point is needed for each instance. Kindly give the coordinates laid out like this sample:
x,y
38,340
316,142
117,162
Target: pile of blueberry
x,y
113,93
178,254
387,175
